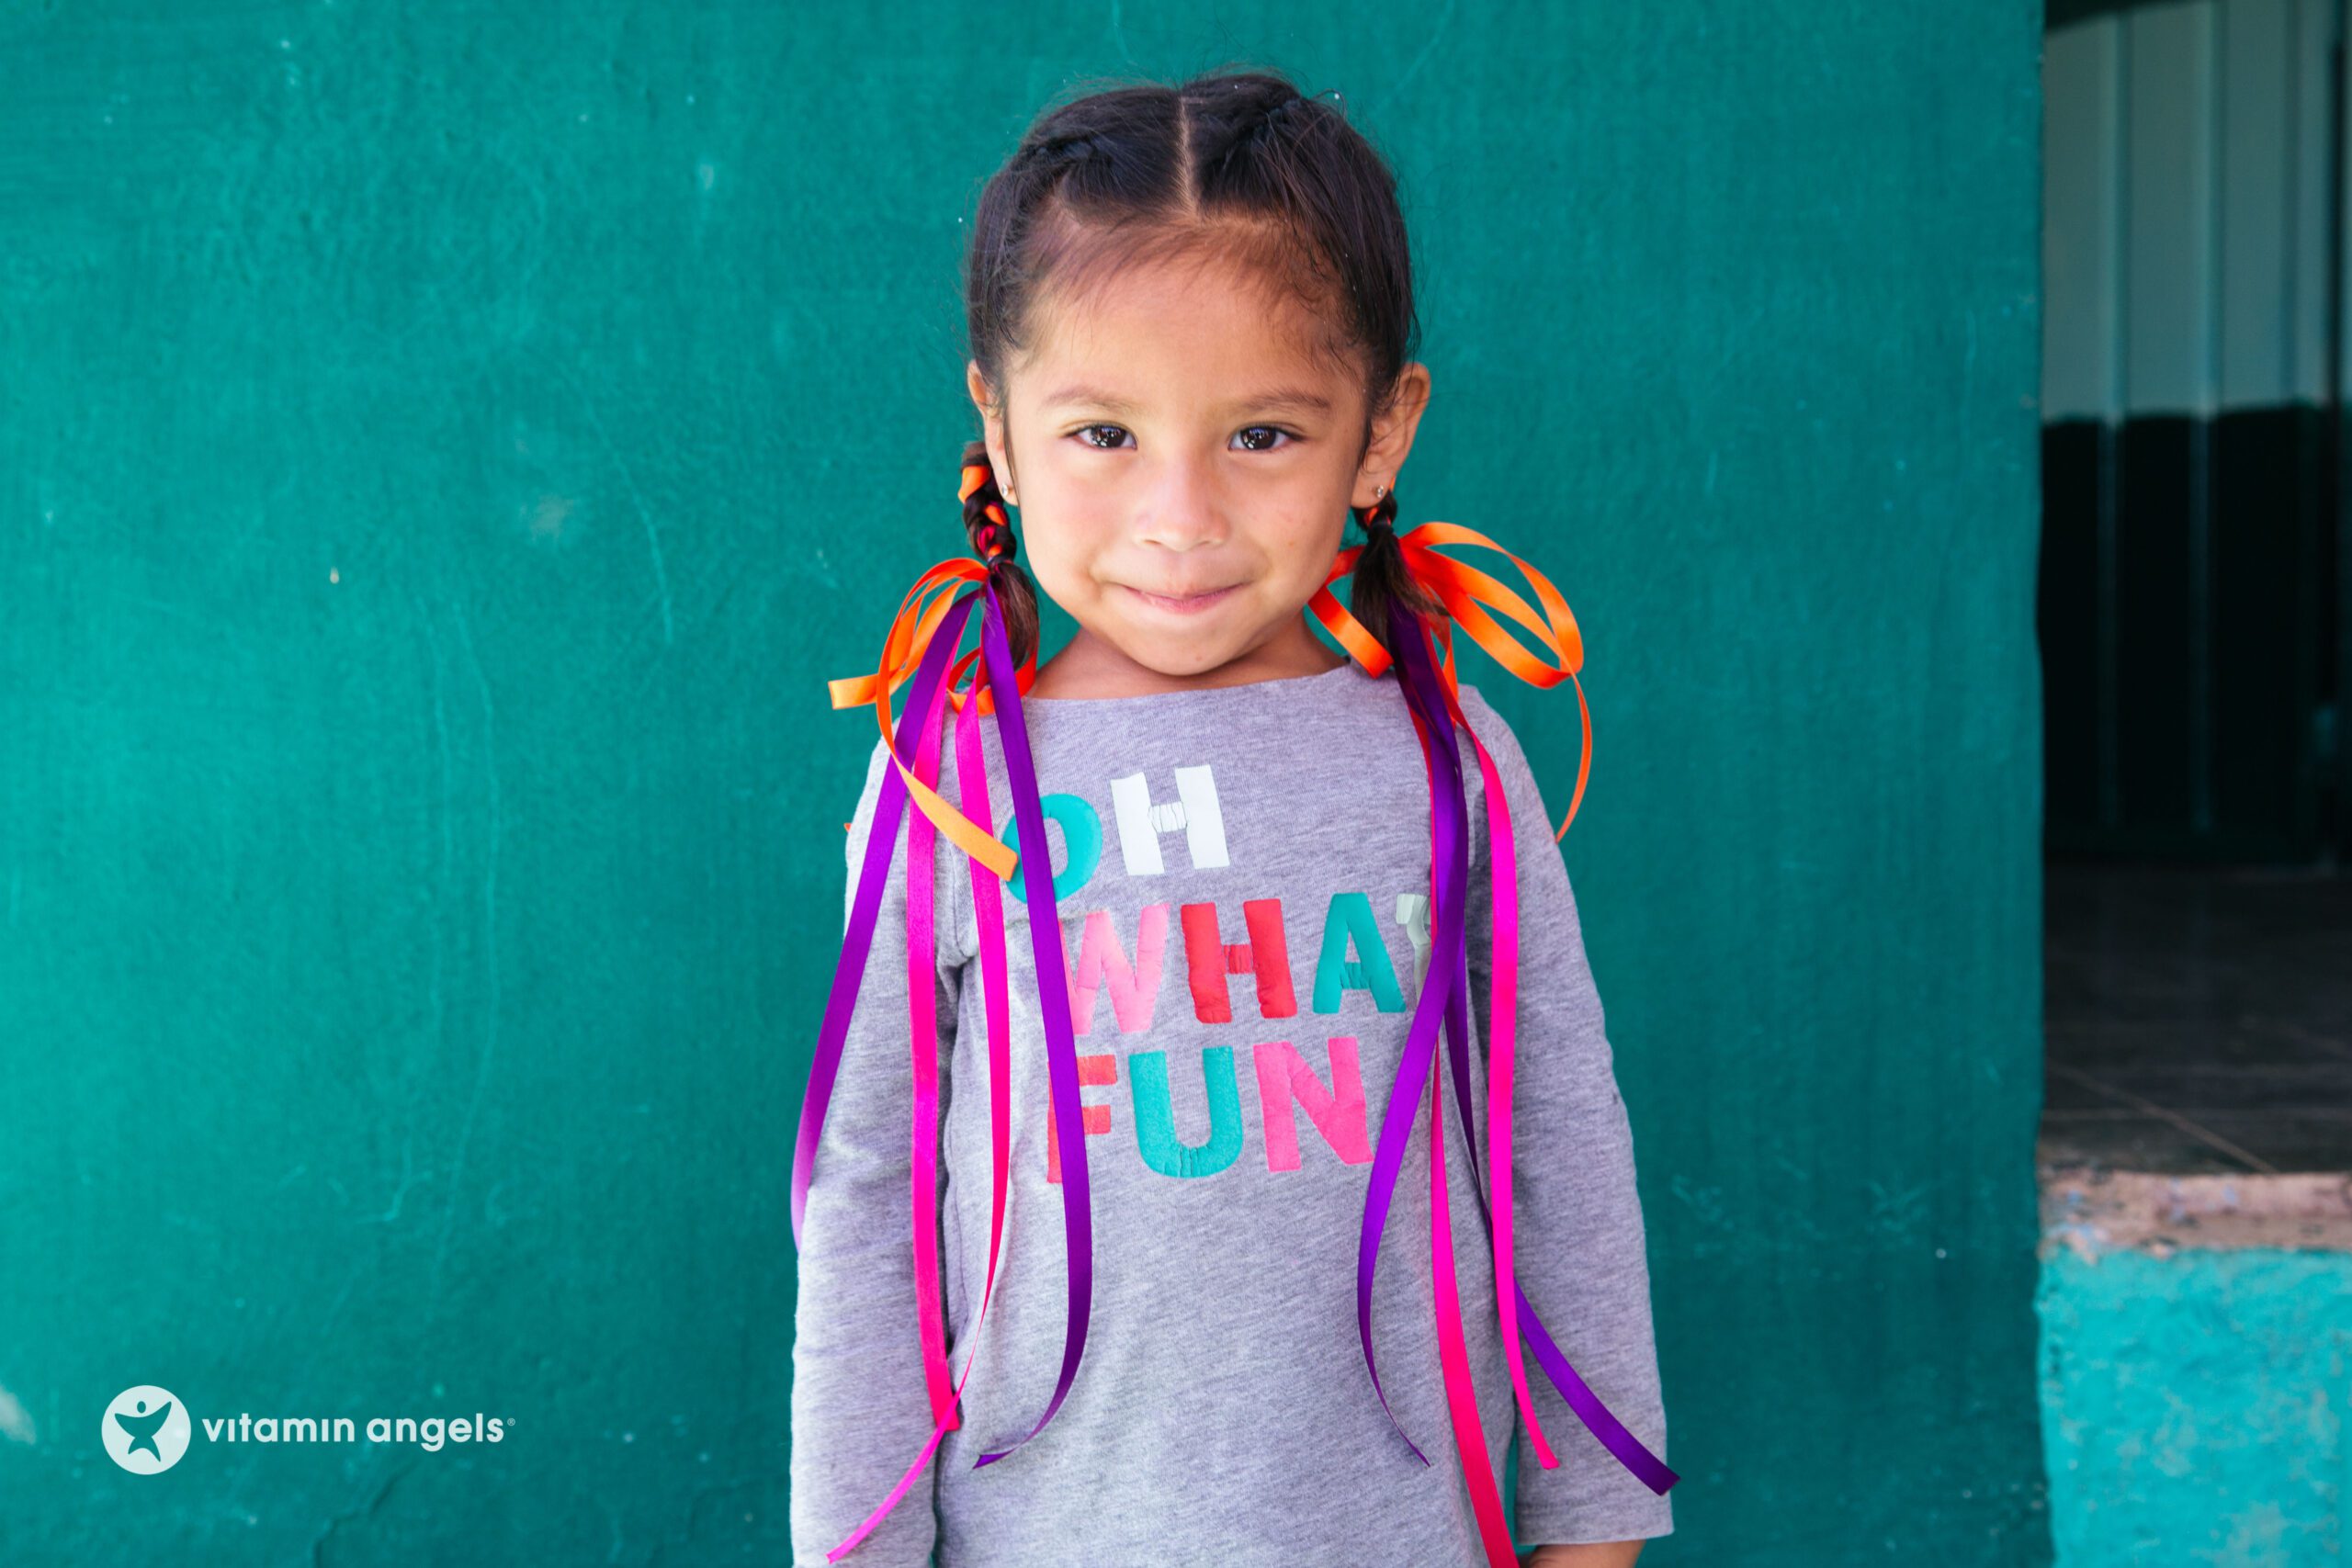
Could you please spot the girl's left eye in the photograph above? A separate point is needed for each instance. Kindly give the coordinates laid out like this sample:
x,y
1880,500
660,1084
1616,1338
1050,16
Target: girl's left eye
x,y
1270,431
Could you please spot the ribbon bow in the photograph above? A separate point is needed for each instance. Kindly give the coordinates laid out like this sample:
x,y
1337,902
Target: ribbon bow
x,y
1424,661
1465,590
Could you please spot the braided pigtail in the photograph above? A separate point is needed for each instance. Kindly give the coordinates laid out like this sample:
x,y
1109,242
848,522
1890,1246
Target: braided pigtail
x,y
990,530
1381,588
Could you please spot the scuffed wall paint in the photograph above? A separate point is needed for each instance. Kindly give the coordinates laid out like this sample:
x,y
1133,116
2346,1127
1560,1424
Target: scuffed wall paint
x,y
2194,1405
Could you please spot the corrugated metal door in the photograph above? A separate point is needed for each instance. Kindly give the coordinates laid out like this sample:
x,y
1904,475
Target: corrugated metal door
x,y
2191,566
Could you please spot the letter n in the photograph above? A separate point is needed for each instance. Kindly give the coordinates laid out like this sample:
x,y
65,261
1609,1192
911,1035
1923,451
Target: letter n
x,y
1337,1112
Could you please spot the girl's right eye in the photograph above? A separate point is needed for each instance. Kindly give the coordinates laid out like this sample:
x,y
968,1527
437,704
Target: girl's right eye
x,y
1085,435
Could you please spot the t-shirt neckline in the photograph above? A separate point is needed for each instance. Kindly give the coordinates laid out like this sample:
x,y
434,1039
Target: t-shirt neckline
x,y
1275,684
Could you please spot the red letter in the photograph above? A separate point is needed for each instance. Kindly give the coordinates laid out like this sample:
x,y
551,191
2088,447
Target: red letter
x,y
1095,1118
1208,958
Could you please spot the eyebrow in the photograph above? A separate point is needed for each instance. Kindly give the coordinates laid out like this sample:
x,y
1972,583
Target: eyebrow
x,y
1281,397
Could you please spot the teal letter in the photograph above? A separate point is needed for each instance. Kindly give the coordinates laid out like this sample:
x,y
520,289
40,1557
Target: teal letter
x,y
1350,918
1156,1118
1082,830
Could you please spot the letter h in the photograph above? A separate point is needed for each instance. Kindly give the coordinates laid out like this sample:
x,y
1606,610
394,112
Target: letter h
x,y
1208,958
1194,810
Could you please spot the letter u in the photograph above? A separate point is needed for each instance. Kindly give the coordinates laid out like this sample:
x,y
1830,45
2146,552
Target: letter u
x,y
1155,1117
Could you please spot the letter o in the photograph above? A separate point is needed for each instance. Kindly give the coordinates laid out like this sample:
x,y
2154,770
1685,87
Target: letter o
x,y
1082,831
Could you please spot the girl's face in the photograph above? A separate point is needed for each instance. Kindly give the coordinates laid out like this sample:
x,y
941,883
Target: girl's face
x,y
1184,468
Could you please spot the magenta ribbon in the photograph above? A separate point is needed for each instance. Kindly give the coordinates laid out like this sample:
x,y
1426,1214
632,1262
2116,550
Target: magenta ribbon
x,y
922,1162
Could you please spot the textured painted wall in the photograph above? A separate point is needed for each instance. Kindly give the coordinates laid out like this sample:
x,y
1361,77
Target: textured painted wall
x,y
443,452
2194,1405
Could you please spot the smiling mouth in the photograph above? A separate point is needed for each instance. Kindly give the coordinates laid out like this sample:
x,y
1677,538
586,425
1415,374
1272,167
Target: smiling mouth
x,y
1187,604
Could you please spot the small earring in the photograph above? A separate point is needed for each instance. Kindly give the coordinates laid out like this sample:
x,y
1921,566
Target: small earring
x,y
1378,492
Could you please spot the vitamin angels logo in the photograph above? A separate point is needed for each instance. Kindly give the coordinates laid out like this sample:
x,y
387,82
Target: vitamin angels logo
x,y
146,1429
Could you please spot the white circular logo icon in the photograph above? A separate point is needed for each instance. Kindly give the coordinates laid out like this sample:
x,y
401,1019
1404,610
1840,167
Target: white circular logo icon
x,y
146,1429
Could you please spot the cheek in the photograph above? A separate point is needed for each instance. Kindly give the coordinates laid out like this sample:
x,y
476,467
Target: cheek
x,y
1056,563
1305,555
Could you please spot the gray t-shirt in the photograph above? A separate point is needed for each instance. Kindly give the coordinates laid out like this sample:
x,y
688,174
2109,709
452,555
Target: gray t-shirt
x,y
1245,871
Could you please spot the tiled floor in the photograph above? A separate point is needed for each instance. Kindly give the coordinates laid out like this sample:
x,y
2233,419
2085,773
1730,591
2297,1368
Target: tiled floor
x,y
2199,1019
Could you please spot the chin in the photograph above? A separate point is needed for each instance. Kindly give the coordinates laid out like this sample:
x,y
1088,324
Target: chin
x,y
1193,661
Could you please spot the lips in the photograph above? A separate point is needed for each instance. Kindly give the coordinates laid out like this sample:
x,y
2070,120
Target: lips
x,y
1184,602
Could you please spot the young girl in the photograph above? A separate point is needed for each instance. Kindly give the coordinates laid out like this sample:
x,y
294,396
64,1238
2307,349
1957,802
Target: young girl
x,y
1188,937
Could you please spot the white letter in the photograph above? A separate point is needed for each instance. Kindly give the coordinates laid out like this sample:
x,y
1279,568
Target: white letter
x,y
1195,810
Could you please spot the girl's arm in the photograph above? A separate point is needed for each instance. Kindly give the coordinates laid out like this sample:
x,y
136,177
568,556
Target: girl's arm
x,y
1579,1248
860,1410
1606,1554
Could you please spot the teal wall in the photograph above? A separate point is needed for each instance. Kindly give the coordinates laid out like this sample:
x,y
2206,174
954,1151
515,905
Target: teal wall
x,y
444,449
2193,1405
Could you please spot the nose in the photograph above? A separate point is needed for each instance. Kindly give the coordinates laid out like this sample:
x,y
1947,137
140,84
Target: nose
x,y
1181,507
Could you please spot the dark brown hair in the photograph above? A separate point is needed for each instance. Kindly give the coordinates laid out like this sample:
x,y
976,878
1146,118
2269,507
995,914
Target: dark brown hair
x,y
1240,165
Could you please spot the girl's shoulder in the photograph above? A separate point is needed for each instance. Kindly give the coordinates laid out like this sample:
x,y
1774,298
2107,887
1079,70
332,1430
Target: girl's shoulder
x,y
950,897
1492,729
1522,794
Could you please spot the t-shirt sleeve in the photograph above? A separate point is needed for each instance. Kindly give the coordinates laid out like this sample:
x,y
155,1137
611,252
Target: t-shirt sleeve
x,y
860,1409
1578,1244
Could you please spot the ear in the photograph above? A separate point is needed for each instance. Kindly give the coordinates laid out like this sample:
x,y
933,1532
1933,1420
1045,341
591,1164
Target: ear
x,y
992,418
1392,436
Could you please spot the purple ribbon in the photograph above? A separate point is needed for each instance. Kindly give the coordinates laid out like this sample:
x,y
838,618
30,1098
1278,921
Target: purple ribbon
x,y
1449,862
881,841
1450,951
1036,869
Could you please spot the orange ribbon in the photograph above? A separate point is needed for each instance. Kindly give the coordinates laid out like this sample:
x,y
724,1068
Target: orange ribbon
x,y
902,651
1467,593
